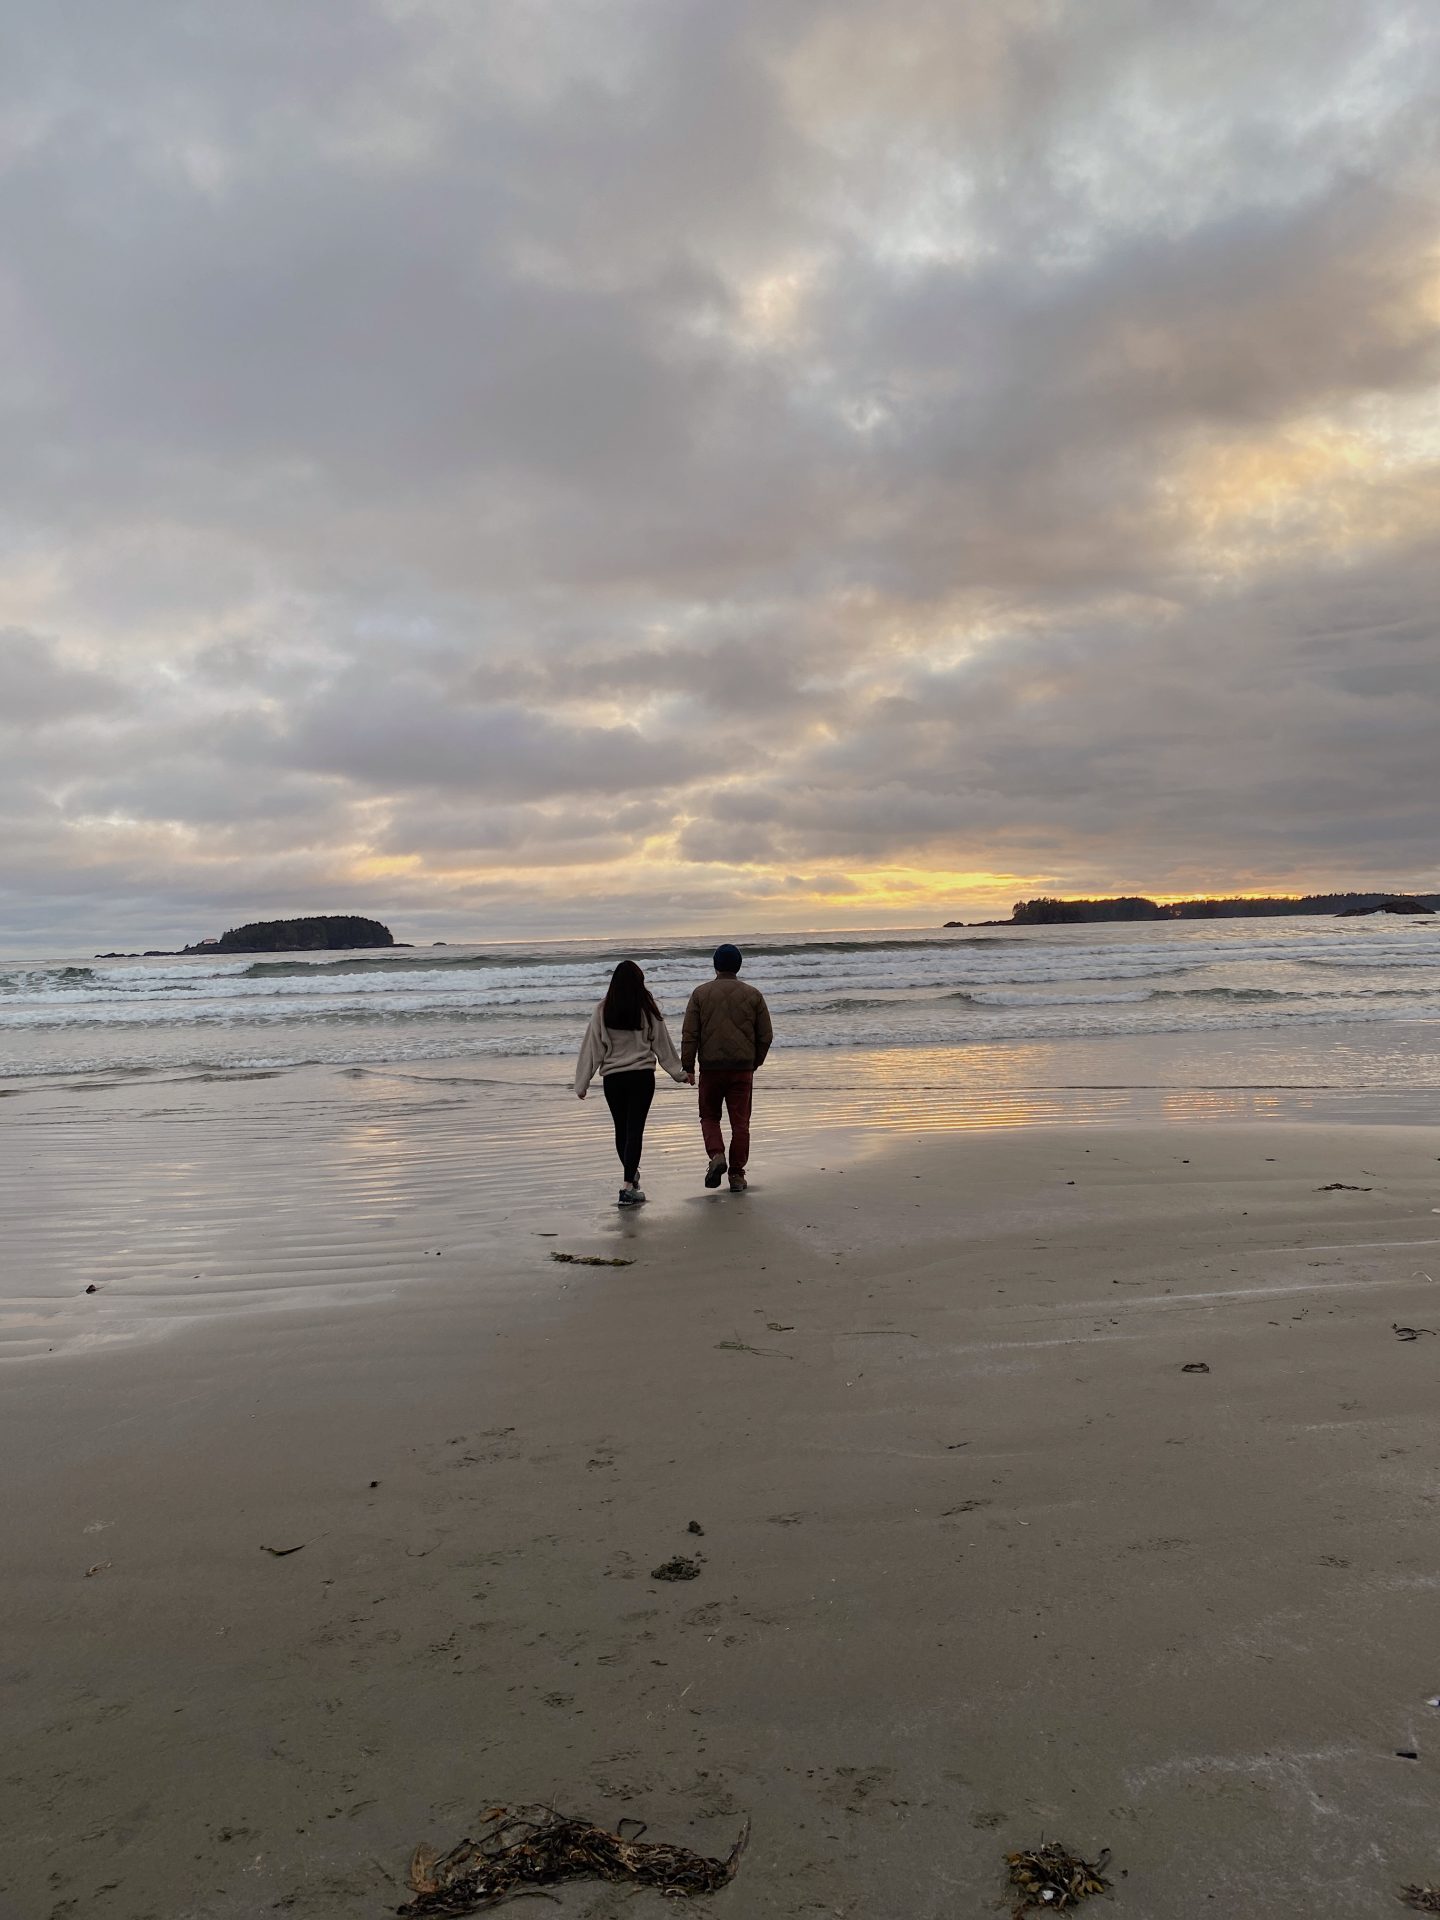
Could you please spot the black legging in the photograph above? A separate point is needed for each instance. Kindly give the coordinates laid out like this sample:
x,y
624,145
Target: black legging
x,y
628,1096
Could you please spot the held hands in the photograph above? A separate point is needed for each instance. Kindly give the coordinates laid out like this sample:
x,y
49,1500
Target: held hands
x,y
690,1079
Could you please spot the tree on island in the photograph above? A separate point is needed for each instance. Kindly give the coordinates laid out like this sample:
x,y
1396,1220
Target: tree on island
x,y
313,933
1049,912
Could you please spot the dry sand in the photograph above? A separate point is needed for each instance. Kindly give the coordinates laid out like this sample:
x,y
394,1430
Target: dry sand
x,y
981,1563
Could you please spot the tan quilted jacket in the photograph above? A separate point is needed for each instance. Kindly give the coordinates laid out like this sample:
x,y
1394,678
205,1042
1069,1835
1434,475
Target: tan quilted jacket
x,y
727,1024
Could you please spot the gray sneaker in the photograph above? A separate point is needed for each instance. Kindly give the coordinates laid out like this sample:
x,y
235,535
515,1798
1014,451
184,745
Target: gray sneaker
x,y
715,1172
630,1197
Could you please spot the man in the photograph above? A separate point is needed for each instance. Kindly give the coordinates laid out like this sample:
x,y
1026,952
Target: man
x,y
727,1031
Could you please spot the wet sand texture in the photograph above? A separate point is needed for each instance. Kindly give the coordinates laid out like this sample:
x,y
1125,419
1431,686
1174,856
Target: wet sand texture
x,y
980,1562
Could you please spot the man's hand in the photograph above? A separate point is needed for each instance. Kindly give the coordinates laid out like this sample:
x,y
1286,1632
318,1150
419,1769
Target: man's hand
x,y
690,1079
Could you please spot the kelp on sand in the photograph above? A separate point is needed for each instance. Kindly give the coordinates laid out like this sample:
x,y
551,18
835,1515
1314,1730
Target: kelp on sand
x,y
525,1849
1051,1879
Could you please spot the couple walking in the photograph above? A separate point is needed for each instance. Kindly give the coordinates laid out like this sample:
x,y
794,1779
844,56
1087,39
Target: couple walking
x,y
726,1031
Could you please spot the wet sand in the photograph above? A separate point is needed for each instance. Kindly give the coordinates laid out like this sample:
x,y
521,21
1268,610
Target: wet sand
x,y
980,1563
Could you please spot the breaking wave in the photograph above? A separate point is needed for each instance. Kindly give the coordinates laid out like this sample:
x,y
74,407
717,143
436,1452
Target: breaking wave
x,y
46,979
464,962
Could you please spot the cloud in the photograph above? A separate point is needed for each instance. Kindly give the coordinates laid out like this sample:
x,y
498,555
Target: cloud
x,y
386,732
472,455
1260,734
39,688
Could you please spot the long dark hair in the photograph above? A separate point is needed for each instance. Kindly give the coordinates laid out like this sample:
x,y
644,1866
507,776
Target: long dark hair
x,y
627,999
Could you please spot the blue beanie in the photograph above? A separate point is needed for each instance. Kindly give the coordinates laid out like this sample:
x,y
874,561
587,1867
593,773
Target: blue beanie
x,y
727,959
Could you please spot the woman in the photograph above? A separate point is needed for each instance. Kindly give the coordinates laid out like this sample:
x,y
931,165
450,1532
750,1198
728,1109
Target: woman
x,y
625,1038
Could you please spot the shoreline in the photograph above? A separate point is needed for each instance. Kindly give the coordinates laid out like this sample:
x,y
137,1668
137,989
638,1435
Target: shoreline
x,y
981,1562
181,1198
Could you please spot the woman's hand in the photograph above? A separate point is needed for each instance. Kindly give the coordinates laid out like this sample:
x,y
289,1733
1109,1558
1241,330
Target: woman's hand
x,y
582,1093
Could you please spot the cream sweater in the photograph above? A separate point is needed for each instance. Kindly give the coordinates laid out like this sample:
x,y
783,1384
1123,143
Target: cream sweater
x,y
621,1050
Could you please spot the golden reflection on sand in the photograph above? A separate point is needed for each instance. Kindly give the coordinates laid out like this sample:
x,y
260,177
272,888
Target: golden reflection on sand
x,y
924,1091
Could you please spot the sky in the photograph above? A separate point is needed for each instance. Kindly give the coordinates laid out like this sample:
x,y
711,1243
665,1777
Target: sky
x,y
550,466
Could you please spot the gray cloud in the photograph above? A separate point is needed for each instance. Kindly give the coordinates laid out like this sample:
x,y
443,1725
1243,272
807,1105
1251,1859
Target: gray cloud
x,y
1235,737
401,731
39,688
485,444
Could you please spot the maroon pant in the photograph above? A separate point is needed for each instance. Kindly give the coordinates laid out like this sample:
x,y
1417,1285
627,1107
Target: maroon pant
x,y
732,1088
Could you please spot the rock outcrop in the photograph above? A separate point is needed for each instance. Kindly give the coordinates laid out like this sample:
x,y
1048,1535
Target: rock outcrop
x,y
313,933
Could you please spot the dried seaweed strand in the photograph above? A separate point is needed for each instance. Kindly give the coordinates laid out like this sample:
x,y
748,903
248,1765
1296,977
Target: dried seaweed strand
x,y
1050,1878
528,1848
1421,1899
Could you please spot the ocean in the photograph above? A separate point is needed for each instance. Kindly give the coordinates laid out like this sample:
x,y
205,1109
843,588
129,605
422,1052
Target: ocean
x,y
1311,1002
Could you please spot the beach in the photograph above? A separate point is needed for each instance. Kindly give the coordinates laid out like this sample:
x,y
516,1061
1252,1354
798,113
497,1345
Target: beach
x,y
981,1561
526,522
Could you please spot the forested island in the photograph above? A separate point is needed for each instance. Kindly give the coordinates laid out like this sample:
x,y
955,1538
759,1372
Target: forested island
x,y
1049,912
312,933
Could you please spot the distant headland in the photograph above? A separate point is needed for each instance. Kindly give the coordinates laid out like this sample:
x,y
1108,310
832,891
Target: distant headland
x,y
1049,912
311,933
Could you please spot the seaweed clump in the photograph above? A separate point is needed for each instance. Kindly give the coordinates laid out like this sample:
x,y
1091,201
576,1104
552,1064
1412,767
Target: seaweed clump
x,y
1421,1899
529,1848
1050,1879
678,1568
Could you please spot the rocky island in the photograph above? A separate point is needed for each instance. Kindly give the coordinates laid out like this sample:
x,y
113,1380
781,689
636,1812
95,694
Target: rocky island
x,y
312,933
